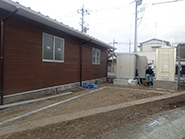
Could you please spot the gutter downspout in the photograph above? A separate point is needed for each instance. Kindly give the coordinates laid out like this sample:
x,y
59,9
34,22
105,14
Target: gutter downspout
x,y
81,59
2,54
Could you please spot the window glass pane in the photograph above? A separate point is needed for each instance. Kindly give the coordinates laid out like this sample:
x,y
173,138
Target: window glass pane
x,y
59,49
98,52
93,60
98,60
153,49
93,55
48,47
98,56
94,52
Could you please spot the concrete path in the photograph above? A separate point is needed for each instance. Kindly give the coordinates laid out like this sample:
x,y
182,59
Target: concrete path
x,y
33,100
165,125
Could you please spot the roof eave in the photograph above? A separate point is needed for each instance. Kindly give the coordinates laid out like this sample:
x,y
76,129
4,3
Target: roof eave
x,y
155,39
36,16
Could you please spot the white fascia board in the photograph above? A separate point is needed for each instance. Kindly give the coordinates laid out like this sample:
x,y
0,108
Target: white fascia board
x,y
124,53
36,16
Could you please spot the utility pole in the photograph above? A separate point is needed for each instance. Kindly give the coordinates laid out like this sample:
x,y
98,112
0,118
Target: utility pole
x,y
83,12
135,38
82,24
138,2
155,30
112,66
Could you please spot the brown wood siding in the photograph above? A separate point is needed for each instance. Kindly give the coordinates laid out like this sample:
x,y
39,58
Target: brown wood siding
x,y
24,68
0,54
93,71
3,14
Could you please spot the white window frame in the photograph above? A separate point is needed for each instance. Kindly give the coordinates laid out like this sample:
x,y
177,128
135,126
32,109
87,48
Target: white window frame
x,y
54,37
96,56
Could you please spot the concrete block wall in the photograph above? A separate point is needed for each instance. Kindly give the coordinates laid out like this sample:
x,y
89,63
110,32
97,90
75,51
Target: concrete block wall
x,y
124,82
165,85
44,92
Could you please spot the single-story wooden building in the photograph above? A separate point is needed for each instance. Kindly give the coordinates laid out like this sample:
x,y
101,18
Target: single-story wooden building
x,y
39,54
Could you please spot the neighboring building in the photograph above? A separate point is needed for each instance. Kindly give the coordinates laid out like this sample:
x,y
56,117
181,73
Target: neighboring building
x,y
41,54
111,63
180,46
152,44
148,49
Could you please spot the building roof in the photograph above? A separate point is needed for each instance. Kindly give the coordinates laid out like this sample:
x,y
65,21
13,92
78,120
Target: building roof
x,y
38,17
181,44
154,39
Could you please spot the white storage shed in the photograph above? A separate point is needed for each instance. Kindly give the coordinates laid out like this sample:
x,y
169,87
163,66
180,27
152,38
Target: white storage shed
x,y
127,64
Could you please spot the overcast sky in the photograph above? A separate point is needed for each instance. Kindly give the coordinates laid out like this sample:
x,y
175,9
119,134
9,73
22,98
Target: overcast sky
x,y
114,19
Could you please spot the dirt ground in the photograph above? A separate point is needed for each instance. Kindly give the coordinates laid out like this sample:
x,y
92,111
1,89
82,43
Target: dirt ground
x,y
94,100
94,126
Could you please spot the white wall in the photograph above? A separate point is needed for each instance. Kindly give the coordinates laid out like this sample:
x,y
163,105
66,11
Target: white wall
x,y
150,55
146,47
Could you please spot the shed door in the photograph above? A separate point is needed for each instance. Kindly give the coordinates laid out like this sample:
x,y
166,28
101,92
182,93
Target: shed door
x,y
126,65
141,66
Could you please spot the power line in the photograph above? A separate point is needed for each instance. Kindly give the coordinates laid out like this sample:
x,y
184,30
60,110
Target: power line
x,y
109,9
96,32
68,15
103,37
164,2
